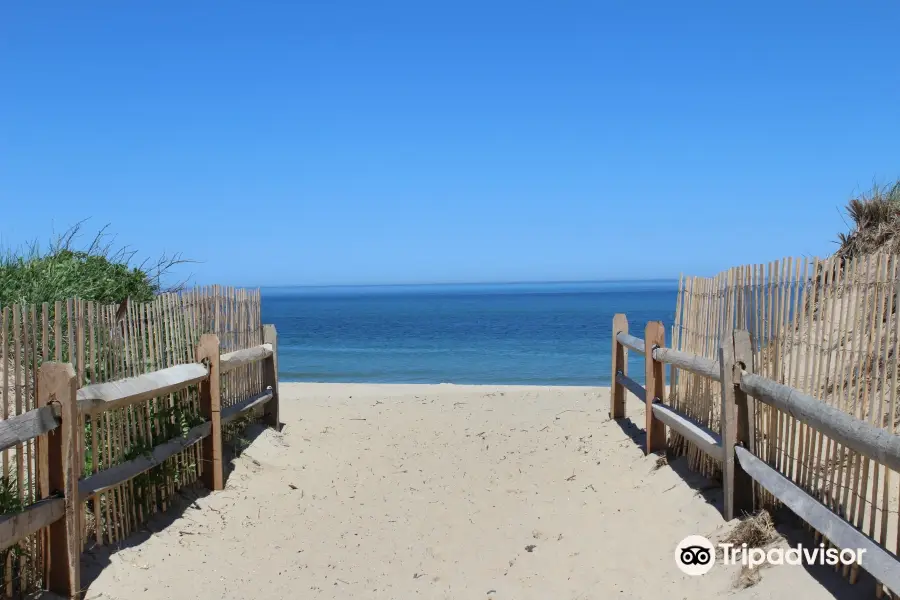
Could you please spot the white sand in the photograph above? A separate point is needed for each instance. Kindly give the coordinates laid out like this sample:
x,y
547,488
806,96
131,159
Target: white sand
x,y
387,491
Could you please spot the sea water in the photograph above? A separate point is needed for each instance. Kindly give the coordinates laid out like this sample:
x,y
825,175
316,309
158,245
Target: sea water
x,y
532,334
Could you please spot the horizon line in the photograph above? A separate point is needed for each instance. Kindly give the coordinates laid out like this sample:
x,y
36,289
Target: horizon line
x,y
443,283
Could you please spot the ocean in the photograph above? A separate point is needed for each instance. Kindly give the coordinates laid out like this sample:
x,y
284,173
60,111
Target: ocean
x,y
528,334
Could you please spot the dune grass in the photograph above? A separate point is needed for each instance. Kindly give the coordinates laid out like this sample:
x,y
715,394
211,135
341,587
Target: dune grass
x,y
876,223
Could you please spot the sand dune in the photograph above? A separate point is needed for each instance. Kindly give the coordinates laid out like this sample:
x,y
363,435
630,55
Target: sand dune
x,y
389,491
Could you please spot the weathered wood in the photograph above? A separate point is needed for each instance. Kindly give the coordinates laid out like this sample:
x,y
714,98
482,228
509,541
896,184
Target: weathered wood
x,y
270,377
737,413
879,445
20,429
14,528
876,560
688,362
655,382
57,384
230,413
125,471
114,394
631,342
704,438
211,409
619,365
239,358
631,385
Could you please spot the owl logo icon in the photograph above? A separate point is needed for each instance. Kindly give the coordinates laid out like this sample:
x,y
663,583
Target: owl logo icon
x,y
695,555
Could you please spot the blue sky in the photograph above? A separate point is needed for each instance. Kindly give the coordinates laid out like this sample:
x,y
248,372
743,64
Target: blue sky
x,y
393,142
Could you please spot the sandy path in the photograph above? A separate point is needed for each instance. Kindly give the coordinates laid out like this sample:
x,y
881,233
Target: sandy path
x,y
437,492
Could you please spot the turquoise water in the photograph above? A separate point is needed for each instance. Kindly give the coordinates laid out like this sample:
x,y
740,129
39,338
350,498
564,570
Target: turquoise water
x,y
538,334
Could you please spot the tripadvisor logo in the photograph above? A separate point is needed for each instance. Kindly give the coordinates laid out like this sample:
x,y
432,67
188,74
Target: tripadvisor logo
x,y
696,555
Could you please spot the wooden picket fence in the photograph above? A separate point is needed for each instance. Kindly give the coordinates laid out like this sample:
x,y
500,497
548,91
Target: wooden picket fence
x,y
826,328
200,359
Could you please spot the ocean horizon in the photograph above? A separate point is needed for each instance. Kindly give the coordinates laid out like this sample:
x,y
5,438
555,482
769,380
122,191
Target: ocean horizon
x,y
521,333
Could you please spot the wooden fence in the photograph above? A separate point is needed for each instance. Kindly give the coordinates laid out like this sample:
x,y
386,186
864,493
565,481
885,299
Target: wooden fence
x,y
156,387
821,361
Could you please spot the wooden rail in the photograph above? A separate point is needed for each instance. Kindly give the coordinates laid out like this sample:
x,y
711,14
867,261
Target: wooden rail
x,y
877,444
688,362
18,430
56,425
122,472
631,342
239,358
631,385
876,560
704,438
114,394
229,413
734,447
17,527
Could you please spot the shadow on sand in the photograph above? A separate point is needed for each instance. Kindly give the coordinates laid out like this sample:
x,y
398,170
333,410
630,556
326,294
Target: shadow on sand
x,y
96,558
792,528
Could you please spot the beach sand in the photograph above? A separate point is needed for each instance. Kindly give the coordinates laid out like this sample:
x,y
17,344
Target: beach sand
x,y
441,491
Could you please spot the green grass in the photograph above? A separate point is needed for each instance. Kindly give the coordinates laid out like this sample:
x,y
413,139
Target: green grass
x,y
97,271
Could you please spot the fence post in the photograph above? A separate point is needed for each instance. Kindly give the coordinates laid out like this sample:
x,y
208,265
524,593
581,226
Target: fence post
x,y
270,377
57,384
211,408
619,365
655,385
738,422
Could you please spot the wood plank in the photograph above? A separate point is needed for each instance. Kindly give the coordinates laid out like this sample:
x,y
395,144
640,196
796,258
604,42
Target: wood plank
x,y
737,422
17,376
211,408
5,360
878,444
876,560
21,428
17,527
270,376
631,385
655,390
239,358
229,413
699,365
704,438
631,342
57,383
619,365
125,471
115,394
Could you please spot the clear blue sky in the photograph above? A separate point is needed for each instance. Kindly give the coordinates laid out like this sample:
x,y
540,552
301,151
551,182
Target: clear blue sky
x,y
384,142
